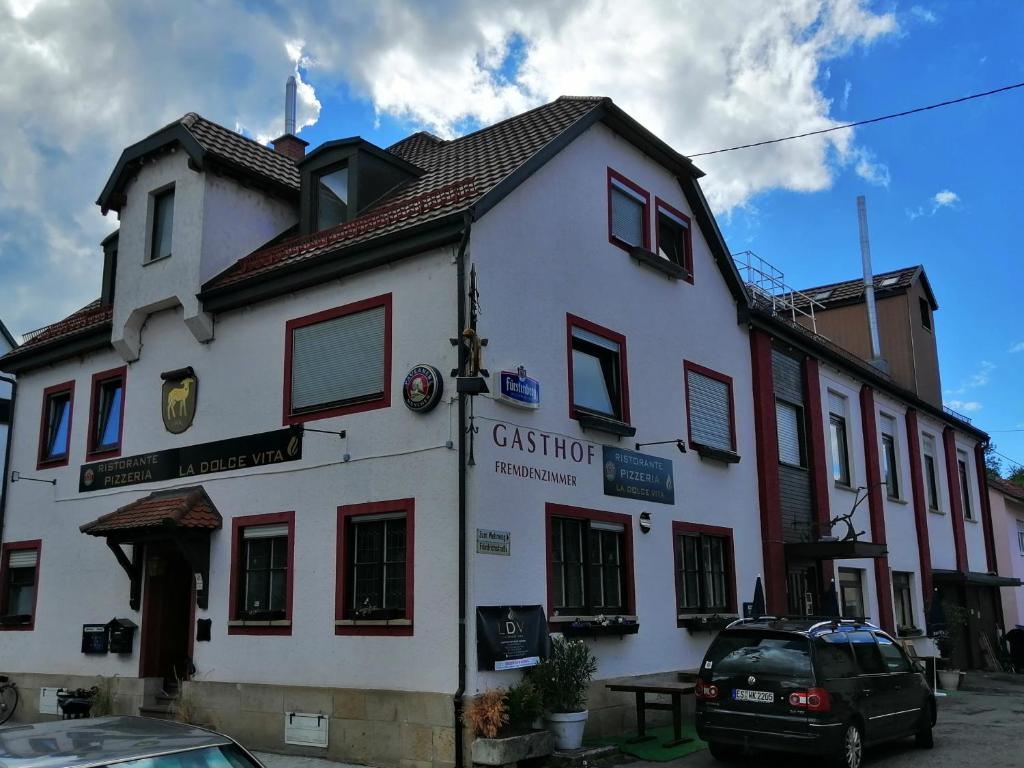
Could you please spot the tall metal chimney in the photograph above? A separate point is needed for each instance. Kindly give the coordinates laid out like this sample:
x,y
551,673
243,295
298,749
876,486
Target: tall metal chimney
x,y
289,106
869,286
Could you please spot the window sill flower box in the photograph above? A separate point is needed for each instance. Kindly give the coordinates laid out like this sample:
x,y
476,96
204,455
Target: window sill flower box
x,y
598,626
706,623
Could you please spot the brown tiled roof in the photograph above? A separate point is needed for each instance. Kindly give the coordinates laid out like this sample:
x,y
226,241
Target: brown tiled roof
x,y
233,148
178,508
1006,487
458,173
90,317
853,290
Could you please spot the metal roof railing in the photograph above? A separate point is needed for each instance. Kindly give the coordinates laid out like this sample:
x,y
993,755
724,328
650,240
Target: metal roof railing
x,y
768,289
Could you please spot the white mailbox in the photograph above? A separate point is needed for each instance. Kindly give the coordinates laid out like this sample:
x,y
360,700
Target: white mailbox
x,y
305,729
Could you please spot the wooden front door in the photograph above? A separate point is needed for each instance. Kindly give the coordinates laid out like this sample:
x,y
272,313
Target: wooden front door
x,y
166,615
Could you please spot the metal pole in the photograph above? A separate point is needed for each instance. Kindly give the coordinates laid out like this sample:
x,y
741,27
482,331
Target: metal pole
x,y
869,280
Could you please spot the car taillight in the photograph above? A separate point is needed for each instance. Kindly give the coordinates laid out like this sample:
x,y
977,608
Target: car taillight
x,y
813,700
705,691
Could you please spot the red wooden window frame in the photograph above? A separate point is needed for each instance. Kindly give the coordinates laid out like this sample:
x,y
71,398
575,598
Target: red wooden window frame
x,y
582,513
18,546
99,379
346,514
329,314
574,321
238,525
57,389
687,264
711,374
614,175
682,528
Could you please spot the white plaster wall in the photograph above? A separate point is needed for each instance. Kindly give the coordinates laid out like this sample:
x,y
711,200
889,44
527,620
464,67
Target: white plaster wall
x,y
974,530
542,253
942,545
1005,514
394,454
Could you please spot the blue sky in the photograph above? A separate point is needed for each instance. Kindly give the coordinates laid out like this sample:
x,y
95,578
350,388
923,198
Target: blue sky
x,y
941,187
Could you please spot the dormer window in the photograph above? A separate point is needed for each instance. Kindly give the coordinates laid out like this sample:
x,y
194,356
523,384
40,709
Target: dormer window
x,y
332,198
162,222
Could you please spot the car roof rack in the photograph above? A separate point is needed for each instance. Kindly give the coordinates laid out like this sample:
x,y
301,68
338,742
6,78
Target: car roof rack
x,y
816,623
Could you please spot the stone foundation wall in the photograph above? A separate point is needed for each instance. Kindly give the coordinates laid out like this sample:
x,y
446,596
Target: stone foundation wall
x,y
129,693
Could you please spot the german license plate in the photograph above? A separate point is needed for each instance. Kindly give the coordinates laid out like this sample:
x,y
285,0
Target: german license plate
x,y
761,697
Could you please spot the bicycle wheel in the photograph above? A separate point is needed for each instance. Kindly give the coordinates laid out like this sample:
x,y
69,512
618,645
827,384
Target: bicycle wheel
x,y
8,702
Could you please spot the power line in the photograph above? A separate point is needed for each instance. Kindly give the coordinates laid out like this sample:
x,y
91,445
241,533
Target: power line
x,y
1004,456
862,122
1004,430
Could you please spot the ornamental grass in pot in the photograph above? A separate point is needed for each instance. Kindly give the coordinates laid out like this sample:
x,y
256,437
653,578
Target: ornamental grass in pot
x,y
563,679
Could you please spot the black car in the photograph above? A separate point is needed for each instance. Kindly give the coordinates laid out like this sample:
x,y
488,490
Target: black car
x,y
824,687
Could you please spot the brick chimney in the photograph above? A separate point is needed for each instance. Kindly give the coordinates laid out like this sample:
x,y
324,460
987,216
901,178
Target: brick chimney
x,y
291,146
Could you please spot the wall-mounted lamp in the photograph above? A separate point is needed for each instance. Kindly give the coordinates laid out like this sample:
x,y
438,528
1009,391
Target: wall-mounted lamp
x,y
645,522
678,441
16,476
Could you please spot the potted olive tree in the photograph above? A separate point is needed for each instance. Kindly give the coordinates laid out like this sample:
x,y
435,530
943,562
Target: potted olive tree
x,y
563,679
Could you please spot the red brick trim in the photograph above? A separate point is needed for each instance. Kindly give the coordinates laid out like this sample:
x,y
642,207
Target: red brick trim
x,y
343,565
986,509
711,374
98,379
62,461
581,513
765,429
384,401
920,506
876,507
17,546
680,528
687,264
238,524
637,189
818,464
572,321
956,504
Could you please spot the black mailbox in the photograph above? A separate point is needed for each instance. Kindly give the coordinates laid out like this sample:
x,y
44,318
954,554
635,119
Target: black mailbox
x,y
122,635
94,638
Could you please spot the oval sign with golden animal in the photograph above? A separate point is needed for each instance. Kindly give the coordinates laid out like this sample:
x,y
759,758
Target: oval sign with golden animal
x,y
178,399
422,388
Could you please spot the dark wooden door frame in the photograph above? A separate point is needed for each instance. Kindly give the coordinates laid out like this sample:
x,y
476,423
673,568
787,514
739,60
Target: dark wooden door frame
x,y
148,608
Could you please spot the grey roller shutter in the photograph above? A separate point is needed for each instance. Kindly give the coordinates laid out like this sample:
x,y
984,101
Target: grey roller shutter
x,y
836,404
787,418
265,531
23,558
338,360
710,421
627,216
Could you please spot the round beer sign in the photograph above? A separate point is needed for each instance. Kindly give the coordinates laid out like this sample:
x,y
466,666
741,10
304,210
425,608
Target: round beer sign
x,y
422,388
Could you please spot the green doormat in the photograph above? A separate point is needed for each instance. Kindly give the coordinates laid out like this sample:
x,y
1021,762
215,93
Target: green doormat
x,y
653,750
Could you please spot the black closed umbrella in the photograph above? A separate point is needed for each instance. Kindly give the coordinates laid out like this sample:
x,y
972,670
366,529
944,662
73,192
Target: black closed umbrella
x,y
936,615
832,601
758,608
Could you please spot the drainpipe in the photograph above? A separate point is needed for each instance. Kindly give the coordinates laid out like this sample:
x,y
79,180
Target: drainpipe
x,y
5,482
460,268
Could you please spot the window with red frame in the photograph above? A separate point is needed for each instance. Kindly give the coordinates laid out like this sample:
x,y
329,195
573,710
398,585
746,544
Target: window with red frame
x,y
55,430
704,569
597,371
674,241
20,576
375,566
106,412
590,562
709,408
338,361
263,562
628,212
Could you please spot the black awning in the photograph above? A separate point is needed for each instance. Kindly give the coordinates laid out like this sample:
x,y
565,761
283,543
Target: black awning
x,y
834,550
975,578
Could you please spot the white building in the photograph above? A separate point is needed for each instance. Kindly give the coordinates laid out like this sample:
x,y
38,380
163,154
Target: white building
x,y
1007,501
7,343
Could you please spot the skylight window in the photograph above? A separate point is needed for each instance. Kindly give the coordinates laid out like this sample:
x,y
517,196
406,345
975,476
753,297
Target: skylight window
x,y
821,295
888,282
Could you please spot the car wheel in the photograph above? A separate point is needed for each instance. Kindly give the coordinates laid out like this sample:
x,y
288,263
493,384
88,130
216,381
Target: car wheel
x,y
923,737
851,751
720,751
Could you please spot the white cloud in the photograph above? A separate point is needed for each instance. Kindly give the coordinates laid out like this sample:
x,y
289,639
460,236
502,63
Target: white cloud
x,y
1018,347
946,197
847,90
979,378
82,81
963,406
924,14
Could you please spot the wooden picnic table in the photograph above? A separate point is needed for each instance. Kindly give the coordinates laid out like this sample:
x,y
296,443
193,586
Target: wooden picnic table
x,y
665,684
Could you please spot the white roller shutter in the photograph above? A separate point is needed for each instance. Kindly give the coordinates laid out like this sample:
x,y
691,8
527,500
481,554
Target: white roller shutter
x,y
710,421
627,216
787,418
338,360
23,558
265,531
836,404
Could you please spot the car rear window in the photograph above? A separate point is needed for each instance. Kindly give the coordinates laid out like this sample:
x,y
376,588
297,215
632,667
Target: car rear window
x,y
743,653
834,656
228,756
